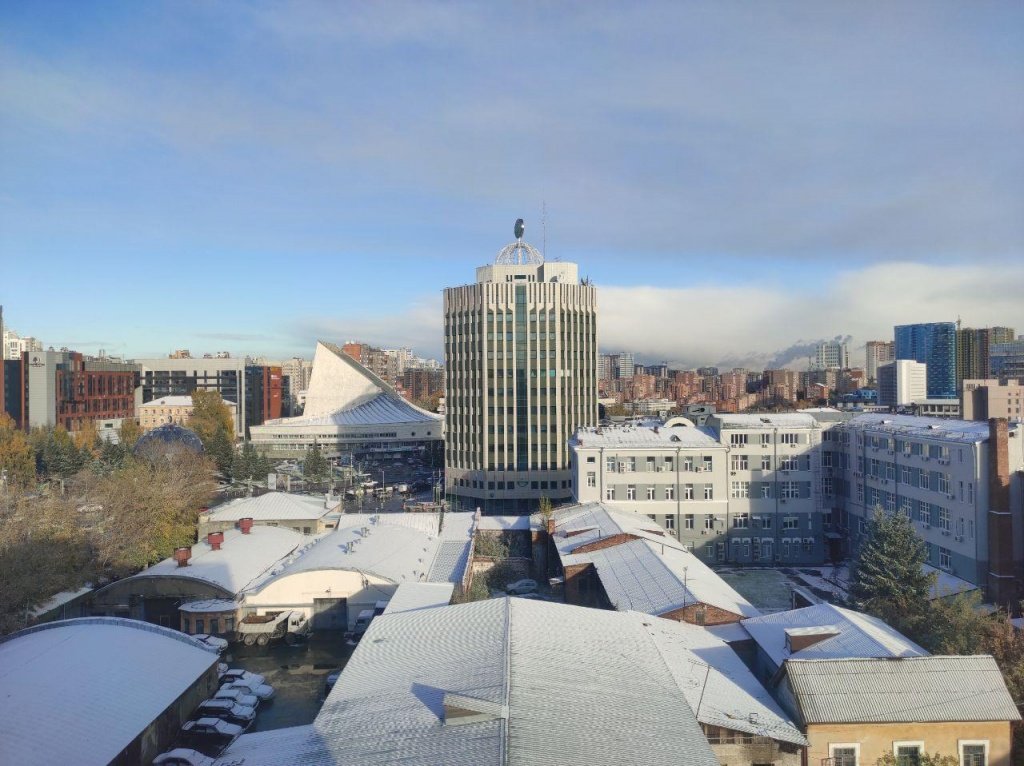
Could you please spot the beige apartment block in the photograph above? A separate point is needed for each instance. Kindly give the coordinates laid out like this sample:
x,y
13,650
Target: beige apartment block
x,y
831,744
173,409
984,399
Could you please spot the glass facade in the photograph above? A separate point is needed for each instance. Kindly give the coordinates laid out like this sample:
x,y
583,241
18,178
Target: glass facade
x,y
933,344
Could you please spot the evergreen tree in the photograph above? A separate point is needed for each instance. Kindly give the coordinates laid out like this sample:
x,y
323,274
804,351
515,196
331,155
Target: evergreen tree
x,y
220,447
888,579
315,466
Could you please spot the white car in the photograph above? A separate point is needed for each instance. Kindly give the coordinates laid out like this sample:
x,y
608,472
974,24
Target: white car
x,y
182,756
263,691
234,675
520,587
238,696
214,642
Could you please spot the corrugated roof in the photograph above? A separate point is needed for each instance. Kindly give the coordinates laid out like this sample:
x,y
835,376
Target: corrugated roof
x,y
562,686
907,690
241,561
860,635
175,401
79,691
689,437
653,574
410,596
273,506
399,547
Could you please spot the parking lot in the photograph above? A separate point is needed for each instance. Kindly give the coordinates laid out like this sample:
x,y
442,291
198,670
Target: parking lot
x,y
297,674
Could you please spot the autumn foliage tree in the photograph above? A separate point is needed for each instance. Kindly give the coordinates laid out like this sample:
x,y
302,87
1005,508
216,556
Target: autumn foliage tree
x,y
17,458
213,422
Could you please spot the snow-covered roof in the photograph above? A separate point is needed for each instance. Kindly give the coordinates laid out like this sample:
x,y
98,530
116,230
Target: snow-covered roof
x,y
652,573
410,596
921,426
210,605
79,691
646,436
176,401
59,600
911,690
767,420
505,523
398,547
859,635
343,392
241,561
542,685
273,506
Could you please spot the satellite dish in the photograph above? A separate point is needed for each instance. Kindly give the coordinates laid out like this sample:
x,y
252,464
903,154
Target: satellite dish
x,y
519,228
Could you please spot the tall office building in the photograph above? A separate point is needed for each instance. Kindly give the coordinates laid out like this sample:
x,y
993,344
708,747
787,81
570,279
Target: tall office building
x,y
902,383
521,377
877,353
830,355
973,348
1006,360
932,344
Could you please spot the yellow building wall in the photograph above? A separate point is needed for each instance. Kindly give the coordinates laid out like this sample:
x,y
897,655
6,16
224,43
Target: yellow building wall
x,y
875,739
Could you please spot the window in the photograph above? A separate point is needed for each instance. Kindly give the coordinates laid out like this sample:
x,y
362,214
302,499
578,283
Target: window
x,y
766,490
688,521
709,492
200,625
970,492
609,493
708,463
907,753
631,465
688,463
790,522
790,438
688,492
974,752
789,489
737,439
650,464
944,483
670,492
739,463
766,462
905,474
740,489
944,518
631,492
766,439
944,558
609,464
650,493
741,521
668,464
788,464
670,523
844,755
709,521
591,479
766,522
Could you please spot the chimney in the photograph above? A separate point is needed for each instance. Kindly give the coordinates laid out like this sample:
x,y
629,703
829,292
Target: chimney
x,y
551,527
204,509
215,539
1002,585
245,525
182,555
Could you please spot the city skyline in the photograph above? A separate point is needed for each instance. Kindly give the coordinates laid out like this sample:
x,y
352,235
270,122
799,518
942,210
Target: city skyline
x,y
255,178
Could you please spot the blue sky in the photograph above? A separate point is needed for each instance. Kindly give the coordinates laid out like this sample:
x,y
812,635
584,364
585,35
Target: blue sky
x,y
735,177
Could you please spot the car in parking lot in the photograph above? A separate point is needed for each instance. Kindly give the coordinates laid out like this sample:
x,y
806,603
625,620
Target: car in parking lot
x,y
182,756
209,734
227,710
214,642
519,587
247,686
234,675
238,696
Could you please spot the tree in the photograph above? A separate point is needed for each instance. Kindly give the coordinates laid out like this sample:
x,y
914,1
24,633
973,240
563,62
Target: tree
x,y
546,510
888,579
58,455
955,626
221,449
250,464
210,416
17,458
924,759
315,466
129,433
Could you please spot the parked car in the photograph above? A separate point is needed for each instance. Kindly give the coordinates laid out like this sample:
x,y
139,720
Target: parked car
x,y
238,696
247,686
519,587
210,733
182,756
227,710
233,675
329,683
363,620
214,642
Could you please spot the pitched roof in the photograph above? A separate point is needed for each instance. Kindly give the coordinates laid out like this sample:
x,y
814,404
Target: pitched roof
x,y
539,684
273,506
909,690
88,687
653,573
858,635
410,596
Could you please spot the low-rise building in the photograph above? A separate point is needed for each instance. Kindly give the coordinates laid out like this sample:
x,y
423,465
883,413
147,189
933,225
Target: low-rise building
x,y
855,711
305,514
517,682
174,409
98,690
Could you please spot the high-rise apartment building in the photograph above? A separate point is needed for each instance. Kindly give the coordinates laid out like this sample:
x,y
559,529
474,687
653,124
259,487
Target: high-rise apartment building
x,y
521,377
877,353
1006,360
933,344
902,383
973,349
830,355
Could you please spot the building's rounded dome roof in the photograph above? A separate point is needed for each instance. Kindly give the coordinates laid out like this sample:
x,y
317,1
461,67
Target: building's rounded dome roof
x,y
170,434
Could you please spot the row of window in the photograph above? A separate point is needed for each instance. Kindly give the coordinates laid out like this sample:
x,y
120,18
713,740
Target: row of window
x,y
765,439
669,491
691,463
972,753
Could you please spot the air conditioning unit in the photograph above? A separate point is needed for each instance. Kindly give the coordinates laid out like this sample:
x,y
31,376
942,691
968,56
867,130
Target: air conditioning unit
x,y
732,473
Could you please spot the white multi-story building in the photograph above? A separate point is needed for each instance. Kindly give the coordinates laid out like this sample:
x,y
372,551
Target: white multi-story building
x,y
902,383
877,353
831,355
521,377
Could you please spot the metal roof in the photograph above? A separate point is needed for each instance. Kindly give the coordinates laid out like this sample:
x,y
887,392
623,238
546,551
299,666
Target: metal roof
x,y
554,685
175,401
688,437
241,561
910,690
273,506
79,691
653,574
410,596
767,420
922,427
860,635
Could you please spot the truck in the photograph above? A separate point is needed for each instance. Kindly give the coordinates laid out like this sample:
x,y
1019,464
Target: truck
x,y
261,629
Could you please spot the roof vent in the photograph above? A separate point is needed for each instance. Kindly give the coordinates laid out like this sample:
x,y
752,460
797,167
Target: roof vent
x,y
801,638
215,539
460,710
245,525
182,555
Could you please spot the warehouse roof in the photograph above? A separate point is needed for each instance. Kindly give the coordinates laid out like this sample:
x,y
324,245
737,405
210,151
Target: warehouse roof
x,y
410,596
647,571
908,690
242,560
273,506
399,547
80,691
849,634
502,681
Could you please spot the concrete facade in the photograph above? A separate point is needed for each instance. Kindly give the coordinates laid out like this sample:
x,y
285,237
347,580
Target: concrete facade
x,y
992,398
870,742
